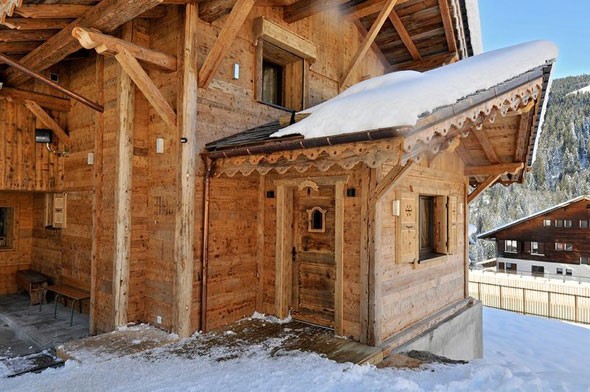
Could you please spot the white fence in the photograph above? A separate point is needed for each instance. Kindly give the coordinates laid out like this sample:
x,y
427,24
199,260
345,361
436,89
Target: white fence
x,y
529,295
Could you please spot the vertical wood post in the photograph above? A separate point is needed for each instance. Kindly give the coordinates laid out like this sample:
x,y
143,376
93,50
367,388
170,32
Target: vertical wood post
x,y
185,209
339,258
284,243
260,243
123,192
97,200
374,279
364,267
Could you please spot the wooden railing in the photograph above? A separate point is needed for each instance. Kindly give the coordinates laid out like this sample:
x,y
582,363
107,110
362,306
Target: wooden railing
x,y
553,299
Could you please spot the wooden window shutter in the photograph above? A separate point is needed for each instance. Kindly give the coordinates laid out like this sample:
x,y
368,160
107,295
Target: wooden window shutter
x,y
453,217
542,248
441,222
407,249
55,210
59,210
527,247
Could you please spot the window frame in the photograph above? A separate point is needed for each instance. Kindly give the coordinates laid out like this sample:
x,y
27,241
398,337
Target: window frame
x,y
567,223
558,222
547,223
533,252
584,225
513,245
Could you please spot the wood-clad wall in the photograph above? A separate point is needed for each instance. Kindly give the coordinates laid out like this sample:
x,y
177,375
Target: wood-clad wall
x,y
227,106
19,257
408,293
547,236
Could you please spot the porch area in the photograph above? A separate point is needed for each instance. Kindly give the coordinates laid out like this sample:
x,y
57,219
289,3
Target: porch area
x,y
233,341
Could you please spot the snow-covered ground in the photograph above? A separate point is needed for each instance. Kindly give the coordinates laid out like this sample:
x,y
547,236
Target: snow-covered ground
x,y
521,353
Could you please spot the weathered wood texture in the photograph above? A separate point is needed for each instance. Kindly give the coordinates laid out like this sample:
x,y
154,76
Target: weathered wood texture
x,y
547,236
19,257
408,292
227,106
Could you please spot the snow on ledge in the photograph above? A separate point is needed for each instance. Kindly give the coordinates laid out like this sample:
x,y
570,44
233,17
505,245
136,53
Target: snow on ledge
x,y
399,99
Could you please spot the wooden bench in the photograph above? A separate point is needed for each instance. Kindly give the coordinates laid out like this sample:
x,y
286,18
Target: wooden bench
x,y
73,293
32,282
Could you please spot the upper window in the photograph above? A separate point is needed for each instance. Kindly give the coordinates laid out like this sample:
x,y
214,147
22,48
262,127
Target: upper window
x,y
6,227
535,248
584,260
510,246
281,65
564,247
583,224
567,223
558,222
546,222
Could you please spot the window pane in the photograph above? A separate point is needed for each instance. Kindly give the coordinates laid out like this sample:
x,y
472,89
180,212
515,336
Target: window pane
x,y
6,227
583,224
567,223
547,222
426,224
558,223
272,83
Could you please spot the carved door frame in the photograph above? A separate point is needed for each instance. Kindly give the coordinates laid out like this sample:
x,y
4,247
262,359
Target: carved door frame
x,y
284,242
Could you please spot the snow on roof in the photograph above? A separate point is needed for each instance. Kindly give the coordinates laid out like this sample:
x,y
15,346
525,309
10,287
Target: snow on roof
x,y
474,26
399,99
536,214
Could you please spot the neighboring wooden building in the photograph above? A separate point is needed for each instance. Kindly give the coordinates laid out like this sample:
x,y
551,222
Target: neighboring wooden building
x,y
159,235
551,243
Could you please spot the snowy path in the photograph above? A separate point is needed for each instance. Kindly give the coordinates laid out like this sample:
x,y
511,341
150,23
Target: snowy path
x,y
521,353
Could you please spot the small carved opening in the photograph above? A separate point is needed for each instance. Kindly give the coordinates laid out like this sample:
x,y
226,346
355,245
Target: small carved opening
x,y
317,220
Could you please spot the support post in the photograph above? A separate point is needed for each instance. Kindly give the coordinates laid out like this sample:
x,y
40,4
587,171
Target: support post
x,y
185,211
123,192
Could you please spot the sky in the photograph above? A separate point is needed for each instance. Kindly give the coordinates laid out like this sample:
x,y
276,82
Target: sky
x,y
566,23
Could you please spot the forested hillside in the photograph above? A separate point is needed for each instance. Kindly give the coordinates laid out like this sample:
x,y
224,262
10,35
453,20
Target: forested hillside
x,y
560,171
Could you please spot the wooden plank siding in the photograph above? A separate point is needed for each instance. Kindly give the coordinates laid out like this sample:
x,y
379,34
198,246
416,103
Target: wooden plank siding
x,y
409,292
227,106
534,230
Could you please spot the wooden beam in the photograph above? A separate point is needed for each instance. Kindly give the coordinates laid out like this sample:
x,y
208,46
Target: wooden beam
x,y
489,170
51,11
25,24
368,41
7,8
393,177
363,32
464,154
427,63
485,143
447,20
48,121
15,65
339,258
228,33
142,80
27,35
106,44
398,25
123,193
211,10
45,101
105,16
184,238
302,9
360,9
521,135
488,182
16,48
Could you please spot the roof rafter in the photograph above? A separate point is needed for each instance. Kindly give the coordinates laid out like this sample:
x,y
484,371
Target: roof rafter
x,y
404,35
302,9
368,41
105,16
228,33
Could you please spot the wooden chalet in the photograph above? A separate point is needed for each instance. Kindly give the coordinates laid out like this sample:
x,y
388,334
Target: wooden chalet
x,y
552,243
121,204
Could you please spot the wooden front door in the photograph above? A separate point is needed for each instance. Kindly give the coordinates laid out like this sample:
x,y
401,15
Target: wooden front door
x,y
313,260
